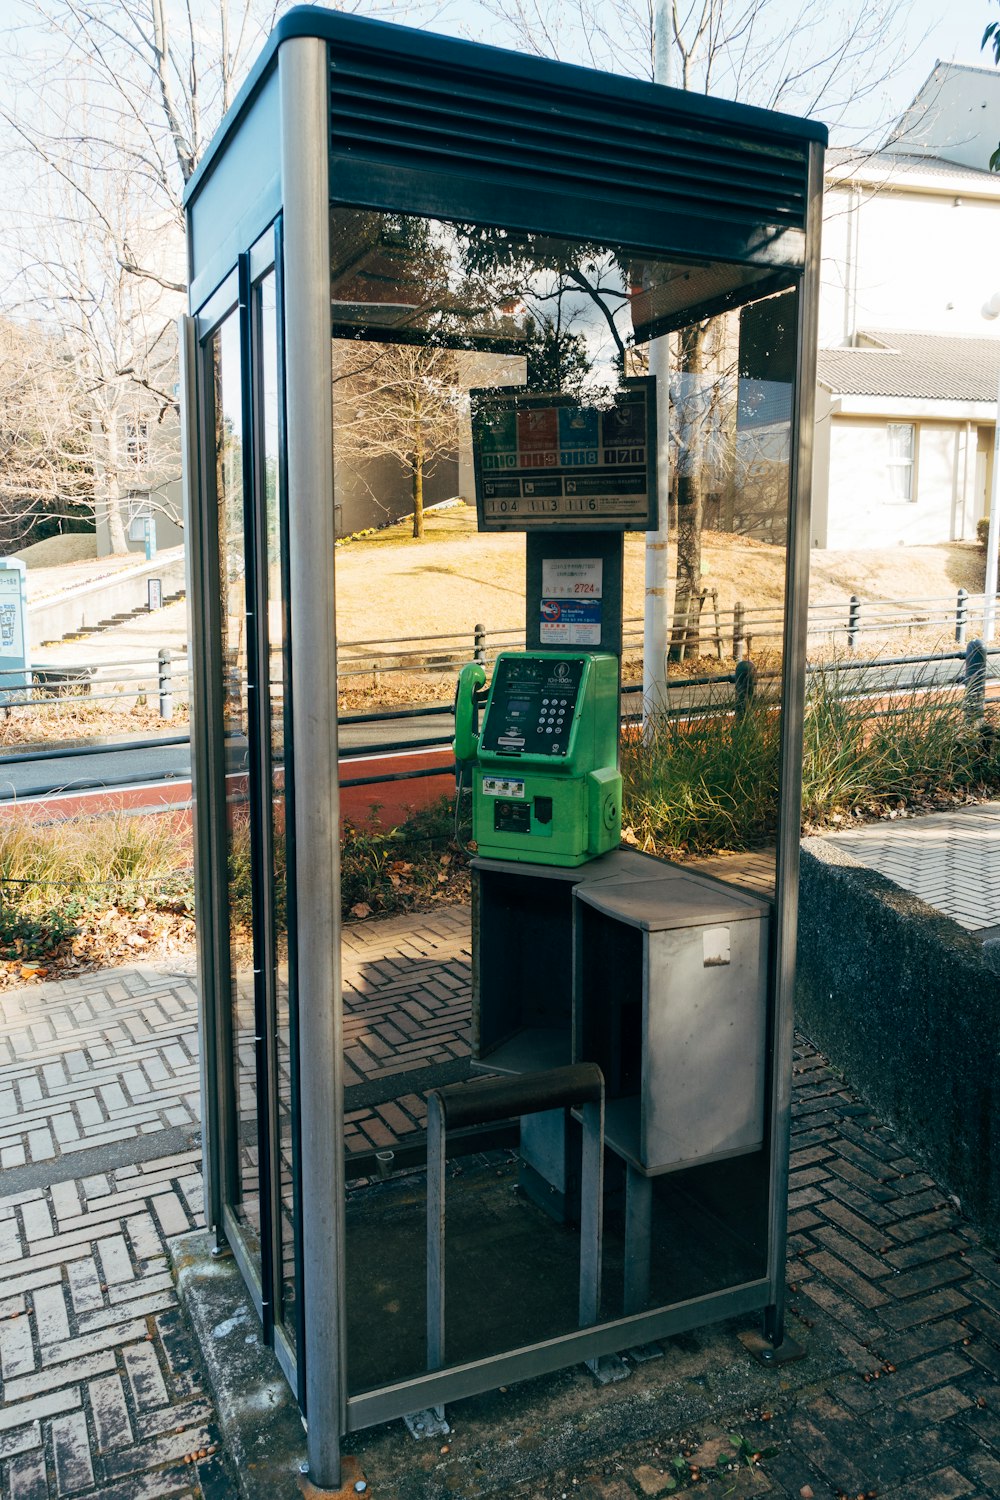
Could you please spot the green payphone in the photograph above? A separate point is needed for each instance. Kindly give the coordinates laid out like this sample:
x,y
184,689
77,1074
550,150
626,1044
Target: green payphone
x,y
545,782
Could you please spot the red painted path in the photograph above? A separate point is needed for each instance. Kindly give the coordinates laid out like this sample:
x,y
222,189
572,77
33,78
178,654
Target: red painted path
x,y
391,801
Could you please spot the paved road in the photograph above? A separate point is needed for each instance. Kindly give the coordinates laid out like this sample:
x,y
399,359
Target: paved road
x,y
126,764
145,761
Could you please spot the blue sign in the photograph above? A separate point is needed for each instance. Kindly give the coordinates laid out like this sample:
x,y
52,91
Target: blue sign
x,y
15,666
570,622
578,436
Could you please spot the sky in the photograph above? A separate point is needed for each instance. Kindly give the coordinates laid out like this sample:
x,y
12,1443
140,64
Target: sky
x,y
949,33
933,31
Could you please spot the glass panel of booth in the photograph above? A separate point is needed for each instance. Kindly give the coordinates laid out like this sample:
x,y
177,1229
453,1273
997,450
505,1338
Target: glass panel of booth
x,y
278,702
243,1186
518,370
251,548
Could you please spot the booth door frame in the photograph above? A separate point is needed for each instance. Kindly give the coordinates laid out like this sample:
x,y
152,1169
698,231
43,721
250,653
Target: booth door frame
x,y
239,296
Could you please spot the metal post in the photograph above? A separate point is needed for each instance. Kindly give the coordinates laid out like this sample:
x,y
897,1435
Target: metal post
x,y
656,623
638,1226
961,615
164,674
993,535
739,631
746,686
591,1212
304,109
792,714
480,643
975,680
206,698
853,616
435,1230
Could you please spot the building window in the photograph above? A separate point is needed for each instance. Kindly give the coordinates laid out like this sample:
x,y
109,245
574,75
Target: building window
x,y
139,514
902,445
137,442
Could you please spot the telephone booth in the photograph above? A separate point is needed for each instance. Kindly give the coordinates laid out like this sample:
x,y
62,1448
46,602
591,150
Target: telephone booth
x,y
609,289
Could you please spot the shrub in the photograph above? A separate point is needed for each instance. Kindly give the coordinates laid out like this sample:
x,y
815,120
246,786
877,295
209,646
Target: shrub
x,y
32,936
697,785
710,782
390,870
90,861
384,869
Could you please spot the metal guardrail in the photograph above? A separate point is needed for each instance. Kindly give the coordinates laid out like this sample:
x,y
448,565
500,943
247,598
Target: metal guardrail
x,y
741,687
54,684
731,633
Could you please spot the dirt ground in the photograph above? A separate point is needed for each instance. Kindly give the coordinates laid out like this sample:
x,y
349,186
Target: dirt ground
x,y
455,578
390,587
54,551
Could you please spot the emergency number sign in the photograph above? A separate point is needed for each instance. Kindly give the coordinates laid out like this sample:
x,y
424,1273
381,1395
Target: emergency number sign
x,y
551,460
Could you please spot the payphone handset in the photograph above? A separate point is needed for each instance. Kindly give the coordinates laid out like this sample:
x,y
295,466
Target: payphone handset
x,y
545,782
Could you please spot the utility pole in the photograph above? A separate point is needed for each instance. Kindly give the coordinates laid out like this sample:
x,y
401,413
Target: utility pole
x,y
991,310
655,614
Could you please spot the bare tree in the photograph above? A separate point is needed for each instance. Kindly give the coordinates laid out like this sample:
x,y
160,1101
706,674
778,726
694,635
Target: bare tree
x,y
397,401
108,107
798,56
139,84
72,242
45,473
801,57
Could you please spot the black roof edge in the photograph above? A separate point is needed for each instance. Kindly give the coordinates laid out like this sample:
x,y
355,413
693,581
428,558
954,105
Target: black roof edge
x,y
430,46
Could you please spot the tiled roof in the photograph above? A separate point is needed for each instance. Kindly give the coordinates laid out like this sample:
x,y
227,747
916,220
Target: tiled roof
x,y
924,366
841,161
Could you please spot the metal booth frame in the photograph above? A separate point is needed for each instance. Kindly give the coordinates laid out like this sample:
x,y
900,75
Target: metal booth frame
x,y
344,111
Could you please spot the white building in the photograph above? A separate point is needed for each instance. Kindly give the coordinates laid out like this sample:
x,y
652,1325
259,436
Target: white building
x,y
908,367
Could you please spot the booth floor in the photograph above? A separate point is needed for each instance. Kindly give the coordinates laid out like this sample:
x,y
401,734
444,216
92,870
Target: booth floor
x,y
893,1294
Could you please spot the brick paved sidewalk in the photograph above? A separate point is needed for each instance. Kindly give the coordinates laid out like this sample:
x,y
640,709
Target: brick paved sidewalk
x,y
100,1393
407,988
951,860
882,1266
98,1376
96,1060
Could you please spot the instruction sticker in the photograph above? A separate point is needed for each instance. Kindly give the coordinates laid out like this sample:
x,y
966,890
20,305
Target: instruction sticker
x,y
572,577
502,786
570,622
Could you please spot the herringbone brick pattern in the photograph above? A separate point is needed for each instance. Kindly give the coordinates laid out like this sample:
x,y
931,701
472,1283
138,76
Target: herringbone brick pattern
x,y
98,1379
95,1060
881,1264
407,988
99,1393
951,860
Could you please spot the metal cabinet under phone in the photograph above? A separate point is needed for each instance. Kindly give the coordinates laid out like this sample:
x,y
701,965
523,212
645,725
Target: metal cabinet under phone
x,y
656,973
670,999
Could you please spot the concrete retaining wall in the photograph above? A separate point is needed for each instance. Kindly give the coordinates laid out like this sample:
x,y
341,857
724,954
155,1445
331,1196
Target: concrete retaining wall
x,y
86,605
905,1003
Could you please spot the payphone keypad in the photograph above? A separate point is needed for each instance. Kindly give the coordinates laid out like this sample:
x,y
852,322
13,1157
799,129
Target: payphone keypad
x,y
532,704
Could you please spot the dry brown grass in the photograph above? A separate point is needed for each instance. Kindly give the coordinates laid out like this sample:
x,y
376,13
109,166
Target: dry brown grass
x,y
56,550
67,719
391,587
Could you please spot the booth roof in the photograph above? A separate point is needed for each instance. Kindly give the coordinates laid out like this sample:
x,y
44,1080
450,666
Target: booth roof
x,y
362,33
